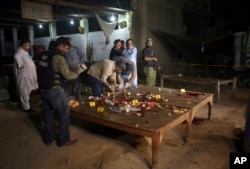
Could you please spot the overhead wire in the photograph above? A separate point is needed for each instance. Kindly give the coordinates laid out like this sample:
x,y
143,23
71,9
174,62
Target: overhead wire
x,y
118,3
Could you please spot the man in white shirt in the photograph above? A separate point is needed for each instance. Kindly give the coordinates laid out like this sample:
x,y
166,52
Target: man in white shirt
x,y
25,74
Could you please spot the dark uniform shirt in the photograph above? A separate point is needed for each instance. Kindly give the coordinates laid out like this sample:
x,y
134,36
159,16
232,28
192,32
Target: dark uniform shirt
x,y
45,73
115,52
150,53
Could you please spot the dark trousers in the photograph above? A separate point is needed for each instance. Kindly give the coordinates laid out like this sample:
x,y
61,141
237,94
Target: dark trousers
x,y
73,88
55,101
97,87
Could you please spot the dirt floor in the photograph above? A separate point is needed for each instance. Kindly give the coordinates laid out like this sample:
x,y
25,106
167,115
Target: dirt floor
x,y
104,148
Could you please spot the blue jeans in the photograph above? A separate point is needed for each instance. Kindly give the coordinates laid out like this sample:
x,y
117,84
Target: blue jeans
x,y
55,101
97,87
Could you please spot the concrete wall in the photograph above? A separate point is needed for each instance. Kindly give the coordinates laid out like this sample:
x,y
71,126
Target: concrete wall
x,y
156,15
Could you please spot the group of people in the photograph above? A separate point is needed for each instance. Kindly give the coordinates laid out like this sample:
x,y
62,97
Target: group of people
x,y
61,65
129,52
48,76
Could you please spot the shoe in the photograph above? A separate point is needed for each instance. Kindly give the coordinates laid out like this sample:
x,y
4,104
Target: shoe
x,y
30,110
48,143
69,143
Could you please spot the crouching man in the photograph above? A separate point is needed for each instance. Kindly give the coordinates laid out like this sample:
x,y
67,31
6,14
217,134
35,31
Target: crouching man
x,y
99,73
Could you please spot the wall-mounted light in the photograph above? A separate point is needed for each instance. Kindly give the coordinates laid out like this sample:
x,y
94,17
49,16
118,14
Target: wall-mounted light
x,y
72,22
112,18
40,26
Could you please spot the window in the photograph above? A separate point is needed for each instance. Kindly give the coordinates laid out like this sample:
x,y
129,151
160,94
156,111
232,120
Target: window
x,y
41,30
22,32
67,27
8,36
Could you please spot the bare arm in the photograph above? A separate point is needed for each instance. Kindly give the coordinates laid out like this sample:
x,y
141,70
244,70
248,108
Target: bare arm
x,y
130,80
149,58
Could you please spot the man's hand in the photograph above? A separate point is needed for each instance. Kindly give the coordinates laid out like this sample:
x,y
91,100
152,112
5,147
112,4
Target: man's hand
x,y
159,67
83,66
127,85
112,88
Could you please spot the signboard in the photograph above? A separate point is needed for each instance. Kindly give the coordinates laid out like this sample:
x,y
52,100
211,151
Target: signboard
x,y
35,10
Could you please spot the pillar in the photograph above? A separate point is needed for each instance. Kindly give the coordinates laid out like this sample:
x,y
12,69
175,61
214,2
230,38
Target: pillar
x,y
84,24
15,38
31,38
2,42
52,30
140,27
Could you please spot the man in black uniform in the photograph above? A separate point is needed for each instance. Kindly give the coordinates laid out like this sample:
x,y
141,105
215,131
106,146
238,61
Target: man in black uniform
x,y
52,70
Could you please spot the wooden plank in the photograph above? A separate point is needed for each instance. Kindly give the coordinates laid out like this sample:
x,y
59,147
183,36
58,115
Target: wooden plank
x,y
202,81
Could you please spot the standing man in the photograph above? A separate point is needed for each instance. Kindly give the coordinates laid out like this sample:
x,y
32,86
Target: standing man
x,y
99,75
116,49
25,74
74,57
123,45
52,92
130,52
150,63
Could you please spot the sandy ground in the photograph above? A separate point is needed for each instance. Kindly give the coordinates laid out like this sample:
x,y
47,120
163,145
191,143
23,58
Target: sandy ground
x,y
104,148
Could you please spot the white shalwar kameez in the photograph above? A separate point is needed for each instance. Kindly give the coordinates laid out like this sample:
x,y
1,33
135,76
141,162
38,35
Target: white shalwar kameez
x,y
25,74
131,54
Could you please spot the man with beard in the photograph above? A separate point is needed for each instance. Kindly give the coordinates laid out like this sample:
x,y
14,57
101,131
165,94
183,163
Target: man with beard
x,y
150,63
74,57
53,95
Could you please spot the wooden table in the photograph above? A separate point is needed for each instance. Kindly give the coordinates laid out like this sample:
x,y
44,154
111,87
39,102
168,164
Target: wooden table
x,y
202,81
155,122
